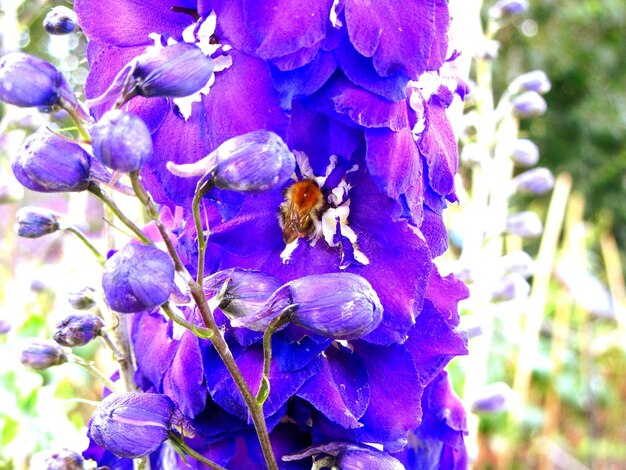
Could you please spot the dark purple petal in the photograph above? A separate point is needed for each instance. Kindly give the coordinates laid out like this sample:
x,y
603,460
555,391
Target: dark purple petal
x,y
184,381
394,406
243,99
154,350
341,389
439,46
435,232
445,294
433,343
293,355
129,22
282,27
393,161
397,34
438,146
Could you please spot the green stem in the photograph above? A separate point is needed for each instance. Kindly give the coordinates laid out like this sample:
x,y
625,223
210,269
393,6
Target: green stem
x,y
154,215
280,320
179,442
201,190
94,371
117,354
69,108
76,231
200,332
100,194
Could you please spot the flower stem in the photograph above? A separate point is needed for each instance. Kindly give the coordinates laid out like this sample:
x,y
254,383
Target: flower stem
x,y
76,231
199,331
280,320
93,370
201,190
100,194
179,442
71,110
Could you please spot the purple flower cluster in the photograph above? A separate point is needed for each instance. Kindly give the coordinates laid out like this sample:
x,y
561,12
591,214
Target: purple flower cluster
x,y
358,91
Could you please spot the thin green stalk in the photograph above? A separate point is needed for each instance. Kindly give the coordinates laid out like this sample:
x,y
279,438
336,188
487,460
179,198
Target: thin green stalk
x,y
69,108
201,190
76,231
93,370
179,442
275,324
100,194
199,331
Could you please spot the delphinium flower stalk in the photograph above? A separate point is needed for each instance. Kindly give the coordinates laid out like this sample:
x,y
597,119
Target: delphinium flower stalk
x,y
492,150
295,168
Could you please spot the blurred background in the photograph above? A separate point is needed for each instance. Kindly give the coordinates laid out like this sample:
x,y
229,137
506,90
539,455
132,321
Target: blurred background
x,y
538,235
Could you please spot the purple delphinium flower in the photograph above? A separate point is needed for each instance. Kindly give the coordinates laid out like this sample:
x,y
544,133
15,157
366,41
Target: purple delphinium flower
x,y
359,96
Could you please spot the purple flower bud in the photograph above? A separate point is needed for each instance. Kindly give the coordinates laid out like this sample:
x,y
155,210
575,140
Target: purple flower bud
x,y
537,81
252,162
518,262
49,163
5,326
537,181
26,81
529,104
525,152
35,222
77,329
178,70
42,354
82,299
137,278
524,224
121,141
132,425
65,459
356,458
494,398
336,305
512,286
246,291
60,20
506,8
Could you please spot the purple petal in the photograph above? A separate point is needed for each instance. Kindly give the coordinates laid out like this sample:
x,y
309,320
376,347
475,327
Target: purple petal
x,y
435,232
154,351
445,294
433,342
397,34
439,47
129,22
283,27
340,390
294,355
360,70
394,406
184,379
393,161
178,141
243,99
438,146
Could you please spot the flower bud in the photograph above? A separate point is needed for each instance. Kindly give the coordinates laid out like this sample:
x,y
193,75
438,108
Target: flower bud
x,y
494,398
82,299
528,105
77,329
60,20
132,425
524,224
178,70
137,278
537,181
525,152
246,291
518,262
65,459
5,326
49,163
42,354
121,141
536,81
336,305
511,286
26,81
506,8
35,222
252,162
